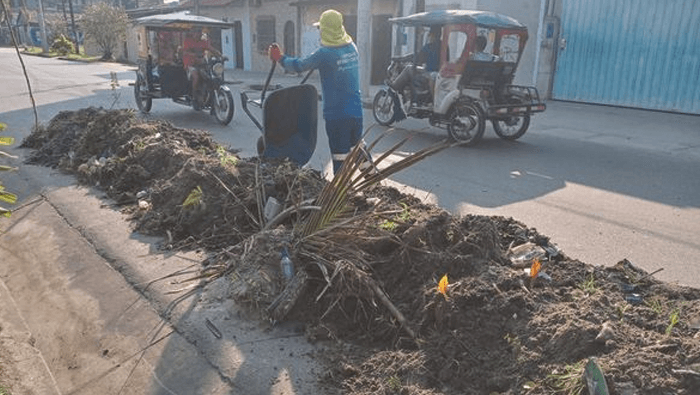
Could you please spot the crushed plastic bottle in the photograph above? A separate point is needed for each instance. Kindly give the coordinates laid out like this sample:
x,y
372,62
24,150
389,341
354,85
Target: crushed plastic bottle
x,y
525,254
272,208
286,265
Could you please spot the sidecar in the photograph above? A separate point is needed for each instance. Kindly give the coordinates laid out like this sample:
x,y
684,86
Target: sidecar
x,y
481,78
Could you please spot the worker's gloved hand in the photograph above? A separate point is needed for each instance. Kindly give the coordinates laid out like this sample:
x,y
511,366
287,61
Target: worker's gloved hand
x,y
274,52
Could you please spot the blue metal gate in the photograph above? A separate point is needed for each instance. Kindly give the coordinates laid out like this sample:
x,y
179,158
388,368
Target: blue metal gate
x,y
633,53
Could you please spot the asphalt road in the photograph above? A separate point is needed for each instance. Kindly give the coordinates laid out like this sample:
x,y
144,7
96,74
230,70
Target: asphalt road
x,y
604,183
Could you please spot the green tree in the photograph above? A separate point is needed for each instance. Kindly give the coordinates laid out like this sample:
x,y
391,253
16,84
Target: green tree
x,y
106,26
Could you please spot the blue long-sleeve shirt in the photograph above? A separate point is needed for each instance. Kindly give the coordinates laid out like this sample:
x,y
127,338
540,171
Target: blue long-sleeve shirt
x,y
340,79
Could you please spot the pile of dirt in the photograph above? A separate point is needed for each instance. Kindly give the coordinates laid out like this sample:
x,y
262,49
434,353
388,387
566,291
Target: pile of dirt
x,y
501,325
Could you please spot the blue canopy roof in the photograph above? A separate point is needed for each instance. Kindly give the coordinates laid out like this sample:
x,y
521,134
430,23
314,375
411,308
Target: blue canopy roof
x,y
443,17
181,20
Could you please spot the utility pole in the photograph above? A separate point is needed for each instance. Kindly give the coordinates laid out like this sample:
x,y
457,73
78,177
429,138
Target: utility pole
x,y
72,26
364,44
44,43
63,8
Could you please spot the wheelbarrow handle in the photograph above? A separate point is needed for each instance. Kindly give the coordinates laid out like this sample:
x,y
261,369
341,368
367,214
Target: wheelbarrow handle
x,y
244,103
307,76
267,81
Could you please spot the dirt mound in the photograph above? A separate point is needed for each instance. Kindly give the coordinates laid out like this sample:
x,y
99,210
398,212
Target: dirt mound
x,y
500,326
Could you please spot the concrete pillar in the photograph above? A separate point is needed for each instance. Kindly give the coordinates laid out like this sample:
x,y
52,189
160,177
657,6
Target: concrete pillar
x,y
364,44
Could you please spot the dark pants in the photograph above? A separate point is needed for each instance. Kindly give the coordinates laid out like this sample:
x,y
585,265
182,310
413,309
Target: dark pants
x,y
343,134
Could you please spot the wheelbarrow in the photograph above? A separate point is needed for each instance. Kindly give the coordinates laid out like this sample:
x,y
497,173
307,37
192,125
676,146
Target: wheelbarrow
x,y
289,120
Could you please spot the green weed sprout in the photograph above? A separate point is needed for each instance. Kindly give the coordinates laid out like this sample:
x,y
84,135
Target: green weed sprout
x,y
394,383
194,198
621,311
655,306
569,382
674,319
225,158
403,216
589,286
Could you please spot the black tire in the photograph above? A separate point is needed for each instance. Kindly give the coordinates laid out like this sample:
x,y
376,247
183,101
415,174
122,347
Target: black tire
x,y
466,123
223,108
144,104
383,108
511,128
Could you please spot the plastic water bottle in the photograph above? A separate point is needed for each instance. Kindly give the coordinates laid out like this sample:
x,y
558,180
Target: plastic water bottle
x,y
286,265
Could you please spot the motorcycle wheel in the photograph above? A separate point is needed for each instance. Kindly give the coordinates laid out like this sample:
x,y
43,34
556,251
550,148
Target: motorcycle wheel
x,y
144,104
511,128
223,107
383,108
466,123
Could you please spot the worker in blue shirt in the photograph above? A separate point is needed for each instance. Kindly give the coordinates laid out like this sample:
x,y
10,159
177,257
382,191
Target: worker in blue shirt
x,y
338,63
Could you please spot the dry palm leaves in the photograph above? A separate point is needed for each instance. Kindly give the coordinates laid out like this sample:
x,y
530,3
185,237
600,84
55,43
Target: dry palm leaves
x,y
327,236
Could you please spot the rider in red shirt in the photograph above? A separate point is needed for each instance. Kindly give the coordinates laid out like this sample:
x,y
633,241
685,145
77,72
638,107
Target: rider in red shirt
x,y
193,47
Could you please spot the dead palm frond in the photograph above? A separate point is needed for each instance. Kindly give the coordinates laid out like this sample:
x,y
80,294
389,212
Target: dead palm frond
x,y
357,175
329,233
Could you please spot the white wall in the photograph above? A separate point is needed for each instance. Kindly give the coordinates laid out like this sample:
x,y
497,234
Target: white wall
x,y
526,12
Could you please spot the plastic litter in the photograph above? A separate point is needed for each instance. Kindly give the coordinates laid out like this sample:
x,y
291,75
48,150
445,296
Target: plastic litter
x,y
286,265
525,254
272,208
634,298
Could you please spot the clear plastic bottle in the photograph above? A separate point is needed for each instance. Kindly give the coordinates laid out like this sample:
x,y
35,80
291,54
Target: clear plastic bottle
x,y
286,265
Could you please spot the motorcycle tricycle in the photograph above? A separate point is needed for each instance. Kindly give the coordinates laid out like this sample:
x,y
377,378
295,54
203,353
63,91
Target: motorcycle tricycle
x,y
161,73
472,85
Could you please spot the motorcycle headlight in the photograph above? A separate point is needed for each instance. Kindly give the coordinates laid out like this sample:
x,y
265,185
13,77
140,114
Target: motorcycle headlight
x,y
218,70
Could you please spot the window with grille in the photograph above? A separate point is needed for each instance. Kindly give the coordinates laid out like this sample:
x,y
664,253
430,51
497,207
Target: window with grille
x,y
265,32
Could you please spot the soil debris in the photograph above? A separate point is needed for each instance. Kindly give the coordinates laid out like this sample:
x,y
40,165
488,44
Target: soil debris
x,y
498,327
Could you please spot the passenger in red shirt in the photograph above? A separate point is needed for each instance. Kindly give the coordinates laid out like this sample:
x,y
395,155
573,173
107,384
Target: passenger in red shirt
x,y
193,48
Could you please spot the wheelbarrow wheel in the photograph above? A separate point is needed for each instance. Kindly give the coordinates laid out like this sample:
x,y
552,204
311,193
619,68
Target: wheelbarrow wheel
x,y
143,102
223,106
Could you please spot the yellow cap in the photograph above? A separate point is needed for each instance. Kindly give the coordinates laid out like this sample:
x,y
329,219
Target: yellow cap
x,y
333,33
